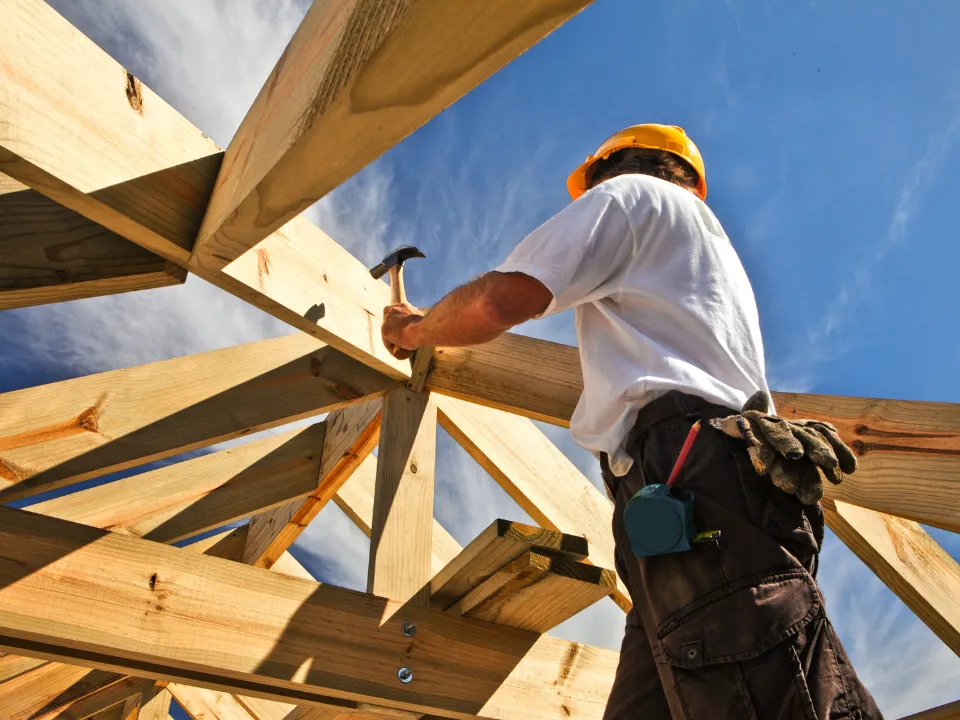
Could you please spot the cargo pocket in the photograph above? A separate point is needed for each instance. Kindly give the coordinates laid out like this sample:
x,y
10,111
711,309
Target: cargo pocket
x,y
719,645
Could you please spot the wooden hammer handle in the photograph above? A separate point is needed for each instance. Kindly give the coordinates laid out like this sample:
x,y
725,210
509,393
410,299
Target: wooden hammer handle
x,y
397,295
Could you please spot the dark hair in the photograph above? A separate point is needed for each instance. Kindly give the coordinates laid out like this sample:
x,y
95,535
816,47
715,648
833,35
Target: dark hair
x,y
658,163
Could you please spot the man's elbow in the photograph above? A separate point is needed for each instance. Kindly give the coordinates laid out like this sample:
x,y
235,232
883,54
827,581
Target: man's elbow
x,y
514,299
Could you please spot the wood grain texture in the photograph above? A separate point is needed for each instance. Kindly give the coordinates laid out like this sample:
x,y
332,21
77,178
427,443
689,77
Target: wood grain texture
x,y
534,378
205,704
502,542
111,696
186,498
261,633
536,475
12,666
908,451
536,592
350,85
82,131
50,689
909,562
49,253
400,535
356,500
58,434
351,434
156,704
908,454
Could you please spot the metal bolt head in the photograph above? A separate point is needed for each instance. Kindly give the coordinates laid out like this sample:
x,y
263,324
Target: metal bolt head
x,y
405,674
409,629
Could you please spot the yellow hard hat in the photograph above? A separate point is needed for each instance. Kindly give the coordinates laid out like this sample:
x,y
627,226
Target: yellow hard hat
x,y
670,138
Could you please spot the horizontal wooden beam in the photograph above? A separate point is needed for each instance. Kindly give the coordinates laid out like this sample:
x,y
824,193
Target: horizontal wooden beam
x,y
351,84
909,562
536,475
58,434
178,501
49,253
536,591
351,434
501,543
259,633
356,500
901,445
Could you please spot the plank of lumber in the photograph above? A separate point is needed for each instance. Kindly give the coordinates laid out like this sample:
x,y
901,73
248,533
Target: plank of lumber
x,y
536,475
400,535
12,666
156,704
49,253
261,633
356,500
58,434
351,434
909,562
908,454
502,542
269,709
107,697
536,592
205,704
186,498
950,711
351,84
900,444
145,172
50,689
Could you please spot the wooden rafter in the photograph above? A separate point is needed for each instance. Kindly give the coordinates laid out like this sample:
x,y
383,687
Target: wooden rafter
x,y
284,637
49,253
350,436
57,434
400,537
908,560
352,83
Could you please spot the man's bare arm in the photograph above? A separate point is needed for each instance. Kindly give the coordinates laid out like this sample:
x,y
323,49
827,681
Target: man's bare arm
x,y
473,313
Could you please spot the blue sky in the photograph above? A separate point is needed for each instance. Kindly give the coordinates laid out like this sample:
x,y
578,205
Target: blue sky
x,y
830,133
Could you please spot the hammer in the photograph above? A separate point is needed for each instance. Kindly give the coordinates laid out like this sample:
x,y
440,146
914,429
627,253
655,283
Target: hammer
x,y
393,263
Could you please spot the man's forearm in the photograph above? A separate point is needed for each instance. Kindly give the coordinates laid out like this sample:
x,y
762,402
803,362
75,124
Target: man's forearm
x,y
479,311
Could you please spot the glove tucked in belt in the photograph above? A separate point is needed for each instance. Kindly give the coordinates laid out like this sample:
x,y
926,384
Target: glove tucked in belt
x,y
794,453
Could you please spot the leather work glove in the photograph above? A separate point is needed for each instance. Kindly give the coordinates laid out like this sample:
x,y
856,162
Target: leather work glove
x,y
796,454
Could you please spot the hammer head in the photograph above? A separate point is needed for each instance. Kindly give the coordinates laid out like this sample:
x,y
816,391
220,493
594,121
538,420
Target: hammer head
x,y
395,257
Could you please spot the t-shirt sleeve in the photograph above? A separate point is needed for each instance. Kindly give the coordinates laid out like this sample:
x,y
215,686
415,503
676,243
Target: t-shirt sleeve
x,y
577,251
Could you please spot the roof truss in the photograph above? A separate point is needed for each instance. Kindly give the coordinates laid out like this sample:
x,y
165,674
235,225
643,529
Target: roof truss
x,y
92,158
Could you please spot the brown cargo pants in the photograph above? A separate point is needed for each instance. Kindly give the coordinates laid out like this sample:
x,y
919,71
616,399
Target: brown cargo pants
x,y
734,628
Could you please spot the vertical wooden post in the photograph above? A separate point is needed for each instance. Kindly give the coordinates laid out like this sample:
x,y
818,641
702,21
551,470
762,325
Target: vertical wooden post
x,y
155,704
400,538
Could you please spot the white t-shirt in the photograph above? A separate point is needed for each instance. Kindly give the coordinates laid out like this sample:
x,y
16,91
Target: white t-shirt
x,y
661,299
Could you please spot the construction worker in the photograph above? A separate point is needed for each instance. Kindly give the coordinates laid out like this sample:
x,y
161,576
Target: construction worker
x,y
669,335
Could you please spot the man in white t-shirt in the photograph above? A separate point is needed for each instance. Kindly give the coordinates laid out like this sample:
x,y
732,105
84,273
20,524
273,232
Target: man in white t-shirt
x,y
669,334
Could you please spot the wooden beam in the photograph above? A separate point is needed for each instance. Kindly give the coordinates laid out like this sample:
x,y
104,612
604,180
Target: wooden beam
x,y
58,434
536,592
49,253
107,697
500,544
900,444
908,454
350,85
184,499
356,500
205,704
260,633
950,711
908,561
50,689
400,537
351,434
536,475
12,666
156,704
